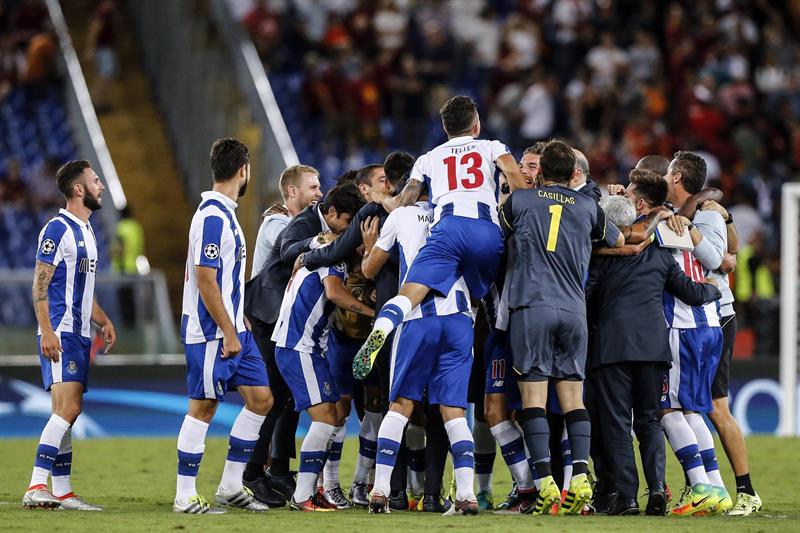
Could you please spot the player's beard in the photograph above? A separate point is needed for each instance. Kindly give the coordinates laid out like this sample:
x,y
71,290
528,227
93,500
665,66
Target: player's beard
x,y
92,202
243,188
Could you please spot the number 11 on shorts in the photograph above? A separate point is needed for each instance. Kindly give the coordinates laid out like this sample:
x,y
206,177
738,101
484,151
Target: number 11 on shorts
x,y
555,222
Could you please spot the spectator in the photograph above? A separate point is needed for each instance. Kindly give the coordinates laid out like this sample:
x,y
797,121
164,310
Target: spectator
x,y
101,51
538,109
606,60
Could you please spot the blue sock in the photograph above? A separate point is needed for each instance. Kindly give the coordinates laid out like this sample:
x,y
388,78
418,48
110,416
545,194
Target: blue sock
x,y
392,314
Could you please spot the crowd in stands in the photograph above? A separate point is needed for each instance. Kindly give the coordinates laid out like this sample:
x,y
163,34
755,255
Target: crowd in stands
x,y
618,79
35,139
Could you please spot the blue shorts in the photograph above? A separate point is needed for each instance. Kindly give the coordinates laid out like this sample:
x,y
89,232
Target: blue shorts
x,y
500,377
73,362
459,246
209,376
695,357
308,377
433,353
340,353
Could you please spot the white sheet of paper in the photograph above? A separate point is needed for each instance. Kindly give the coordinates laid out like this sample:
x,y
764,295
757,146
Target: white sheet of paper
x,y
669,239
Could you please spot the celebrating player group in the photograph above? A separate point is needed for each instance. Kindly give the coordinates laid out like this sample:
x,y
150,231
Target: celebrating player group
x,y
568,316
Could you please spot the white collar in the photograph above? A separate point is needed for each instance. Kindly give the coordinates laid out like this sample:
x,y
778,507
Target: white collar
x,y
461,139
73,218
581,186
325,226
214,195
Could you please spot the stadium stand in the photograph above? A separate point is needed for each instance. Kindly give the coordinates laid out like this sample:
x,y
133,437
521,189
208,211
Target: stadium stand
x,y
356,80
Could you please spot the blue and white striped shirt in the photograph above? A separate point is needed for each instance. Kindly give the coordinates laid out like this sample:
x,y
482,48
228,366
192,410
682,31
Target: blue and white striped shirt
x,y
70,245
408,228
215,241
306,312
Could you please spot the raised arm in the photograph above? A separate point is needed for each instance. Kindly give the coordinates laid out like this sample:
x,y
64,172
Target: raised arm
x,y
641,231
407,196
510,168
374,256
50,343
344,246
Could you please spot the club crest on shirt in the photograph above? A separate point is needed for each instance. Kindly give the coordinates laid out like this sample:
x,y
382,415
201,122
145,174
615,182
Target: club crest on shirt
x,y
220,392
340,267
326,388
48,246
72,368
211,251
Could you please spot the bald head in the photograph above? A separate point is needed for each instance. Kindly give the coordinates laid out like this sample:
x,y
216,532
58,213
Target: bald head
x,y
581,172
654,163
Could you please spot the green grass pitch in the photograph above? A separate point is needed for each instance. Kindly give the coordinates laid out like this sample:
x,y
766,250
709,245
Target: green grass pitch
x,y
135,480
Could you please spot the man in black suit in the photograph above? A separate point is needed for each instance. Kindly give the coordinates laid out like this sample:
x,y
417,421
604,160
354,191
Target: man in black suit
x,y
310,229
630,351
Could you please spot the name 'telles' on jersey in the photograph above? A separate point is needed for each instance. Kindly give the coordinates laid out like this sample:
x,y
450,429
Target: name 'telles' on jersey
x,y
215,241
70,245
462,172
306,313
408,228
684,316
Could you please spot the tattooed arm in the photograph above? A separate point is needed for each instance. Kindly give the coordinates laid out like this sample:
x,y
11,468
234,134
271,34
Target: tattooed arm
x,y
338,294
50,343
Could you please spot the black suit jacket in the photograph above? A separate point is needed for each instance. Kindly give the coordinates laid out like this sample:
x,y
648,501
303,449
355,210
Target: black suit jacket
x,y
386,283
592,190
625,298
264,293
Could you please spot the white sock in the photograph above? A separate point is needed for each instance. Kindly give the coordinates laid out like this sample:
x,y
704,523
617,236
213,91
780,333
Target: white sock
x,y
367,444
485,451
191,445
684,443
462,448
63,467
512,447
331,475
415,441
705,442
390,435
47,451
312,458
244,435
392,314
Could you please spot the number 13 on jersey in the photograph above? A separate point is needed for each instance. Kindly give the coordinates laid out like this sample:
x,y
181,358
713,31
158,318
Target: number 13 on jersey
x,y
555,222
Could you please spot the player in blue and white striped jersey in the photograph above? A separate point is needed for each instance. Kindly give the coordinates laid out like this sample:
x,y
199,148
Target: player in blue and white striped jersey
x,y
301,338
63,298
432,350
220,350
695,338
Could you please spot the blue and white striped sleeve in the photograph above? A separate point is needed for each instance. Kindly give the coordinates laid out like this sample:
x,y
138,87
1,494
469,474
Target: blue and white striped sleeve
x,y
51,238
208,253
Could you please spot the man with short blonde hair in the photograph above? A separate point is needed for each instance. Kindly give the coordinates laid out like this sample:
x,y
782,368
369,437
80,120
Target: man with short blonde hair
x,y
300,187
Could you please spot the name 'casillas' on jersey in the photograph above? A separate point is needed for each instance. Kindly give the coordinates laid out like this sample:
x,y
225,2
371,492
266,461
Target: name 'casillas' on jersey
x,y
552,229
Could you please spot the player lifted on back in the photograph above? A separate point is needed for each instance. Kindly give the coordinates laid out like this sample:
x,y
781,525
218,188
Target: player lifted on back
x,y
432,350
552,228
63,299
461,179
220,350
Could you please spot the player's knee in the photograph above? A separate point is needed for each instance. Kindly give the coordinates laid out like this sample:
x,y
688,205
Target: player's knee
x,y
493,413
261,403
69,412
721,414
